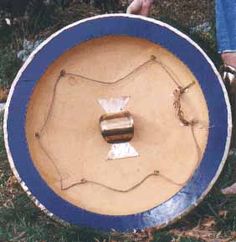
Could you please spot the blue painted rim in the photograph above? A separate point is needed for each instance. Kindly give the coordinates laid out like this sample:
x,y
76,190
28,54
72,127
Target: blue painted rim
x,y
155,32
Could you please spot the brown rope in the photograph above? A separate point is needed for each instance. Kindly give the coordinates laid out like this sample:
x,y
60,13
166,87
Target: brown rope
x,y
168,71
178,93
52,159
62,74
154,174
109,83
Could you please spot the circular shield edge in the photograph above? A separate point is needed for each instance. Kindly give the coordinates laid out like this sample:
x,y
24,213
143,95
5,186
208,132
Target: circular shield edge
x,y
144,223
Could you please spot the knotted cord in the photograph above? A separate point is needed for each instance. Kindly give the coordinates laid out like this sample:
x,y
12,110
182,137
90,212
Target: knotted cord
x,y
178,93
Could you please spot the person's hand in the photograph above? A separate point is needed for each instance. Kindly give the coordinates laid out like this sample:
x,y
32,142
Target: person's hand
x,y
140,7
229,70
229,58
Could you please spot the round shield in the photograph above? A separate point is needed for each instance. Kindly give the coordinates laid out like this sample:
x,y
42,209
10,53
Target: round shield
x,y
117,122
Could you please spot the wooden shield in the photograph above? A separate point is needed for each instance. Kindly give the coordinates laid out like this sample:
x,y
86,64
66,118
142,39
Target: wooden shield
x,y
117,122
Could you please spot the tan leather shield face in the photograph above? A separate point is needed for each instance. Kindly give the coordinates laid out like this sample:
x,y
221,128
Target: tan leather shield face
x,y
64,133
